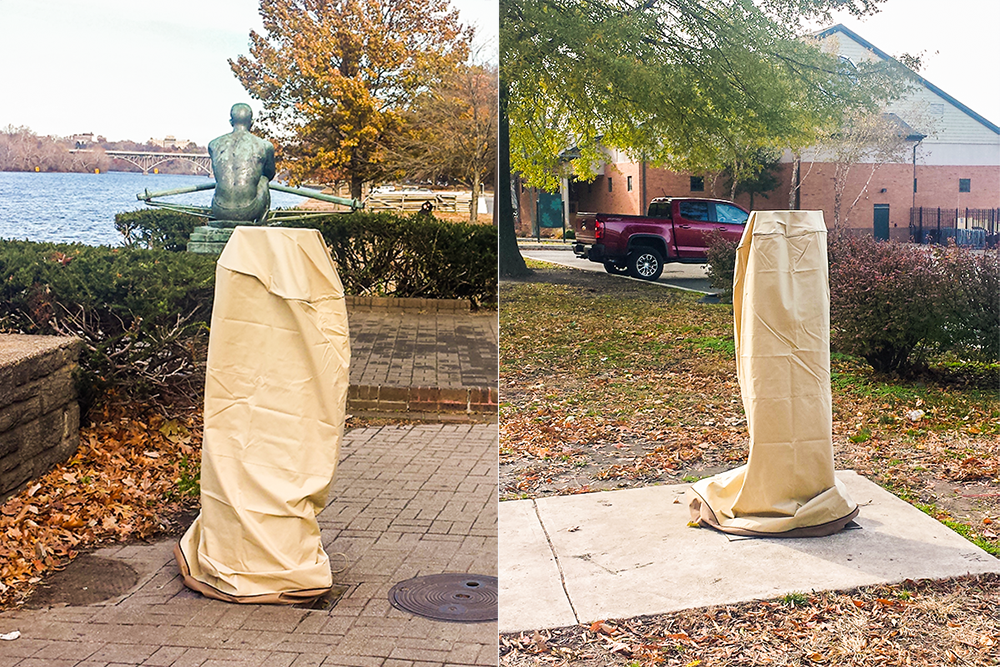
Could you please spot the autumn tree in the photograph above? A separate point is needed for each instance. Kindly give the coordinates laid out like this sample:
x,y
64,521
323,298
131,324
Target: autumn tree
x,y
864,142
451,131
682,82
335,77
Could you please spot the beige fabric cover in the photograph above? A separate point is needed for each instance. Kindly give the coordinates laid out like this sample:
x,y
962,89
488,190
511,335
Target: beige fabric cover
x,y
275,399
781,305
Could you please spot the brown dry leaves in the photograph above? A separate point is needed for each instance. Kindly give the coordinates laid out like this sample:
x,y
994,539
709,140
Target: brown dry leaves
x,y
133,471
608,383
918,624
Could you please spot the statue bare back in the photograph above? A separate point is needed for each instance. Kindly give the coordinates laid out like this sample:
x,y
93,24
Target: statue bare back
x,y
243,165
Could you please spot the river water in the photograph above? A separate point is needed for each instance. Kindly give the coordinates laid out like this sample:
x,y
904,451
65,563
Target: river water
x,y
81,208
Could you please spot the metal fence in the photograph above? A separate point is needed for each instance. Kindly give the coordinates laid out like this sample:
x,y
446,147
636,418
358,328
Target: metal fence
x,y
971,227
412,201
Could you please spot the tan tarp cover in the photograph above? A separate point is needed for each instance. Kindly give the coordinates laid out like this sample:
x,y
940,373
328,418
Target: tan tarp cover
x,y
275,400
781,305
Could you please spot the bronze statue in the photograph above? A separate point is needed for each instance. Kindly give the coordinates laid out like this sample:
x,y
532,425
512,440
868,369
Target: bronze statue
x,y
243,165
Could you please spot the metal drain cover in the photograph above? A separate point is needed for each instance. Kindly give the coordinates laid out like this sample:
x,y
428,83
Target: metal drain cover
x,y
460,598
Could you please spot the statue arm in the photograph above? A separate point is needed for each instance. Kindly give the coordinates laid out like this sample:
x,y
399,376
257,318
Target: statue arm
x,y
269,169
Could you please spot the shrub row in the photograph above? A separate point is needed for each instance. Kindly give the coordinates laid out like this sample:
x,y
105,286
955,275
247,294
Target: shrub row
x,y
143,310
378,254
142,314
896,304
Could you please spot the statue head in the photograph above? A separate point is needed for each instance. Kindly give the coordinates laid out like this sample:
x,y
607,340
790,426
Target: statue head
x,y
241,114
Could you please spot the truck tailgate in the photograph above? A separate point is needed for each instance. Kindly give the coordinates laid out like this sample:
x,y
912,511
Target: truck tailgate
x,y
583,227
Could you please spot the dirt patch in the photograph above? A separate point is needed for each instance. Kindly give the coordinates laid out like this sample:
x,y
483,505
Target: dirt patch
x,y
89,579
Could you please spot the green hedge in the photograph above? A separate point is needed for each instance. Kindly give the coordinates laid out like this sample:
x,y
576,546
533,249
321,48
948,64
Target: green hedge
x,y
141,313
156,229
378,254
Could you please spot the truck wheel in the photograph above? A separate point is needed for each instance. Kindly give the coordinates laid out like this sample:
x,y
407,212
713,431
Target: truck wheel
x,y
645,263
614,269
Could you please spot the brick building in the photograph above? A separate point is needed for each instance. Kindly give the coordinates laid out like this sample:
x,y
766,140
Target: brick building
x,y
951,162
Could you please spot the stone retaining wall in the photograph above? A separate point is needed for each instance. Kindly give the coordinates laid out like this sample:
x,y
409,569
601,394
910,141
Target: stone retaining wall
x,y
39,415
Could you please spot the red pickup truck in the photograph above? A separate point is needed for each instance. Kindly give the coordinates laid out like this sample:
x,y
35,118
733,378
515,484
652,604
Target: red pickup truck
x,y
675,230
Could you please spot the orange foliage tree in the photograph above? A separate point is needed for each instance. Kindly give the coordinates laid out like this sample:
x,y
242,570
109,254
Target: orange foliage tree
x,y
336,76
452,131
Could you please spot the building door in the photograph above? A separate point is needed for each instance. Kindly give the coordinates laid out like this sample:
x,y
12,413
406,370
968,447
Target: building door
x,y
881,216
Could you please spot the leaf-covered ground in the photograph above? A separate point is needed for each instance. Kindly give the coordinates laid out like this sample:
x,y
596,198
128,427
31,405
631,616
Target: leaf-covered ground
x,y
952,622
134,475
608,383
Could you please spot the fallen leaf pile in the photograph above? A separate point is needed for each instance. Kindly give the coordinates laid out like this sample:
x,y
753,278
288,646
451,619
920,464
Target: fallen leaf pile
x,y
135,470
913,624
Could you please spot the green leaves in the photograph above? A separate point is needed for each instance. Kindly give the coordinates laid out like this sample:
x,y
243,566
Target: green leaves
x,y
692,85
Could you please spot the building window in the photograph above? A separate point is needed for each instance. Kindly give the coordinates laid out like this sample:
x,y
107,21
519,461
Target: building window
x,y
609,184
697,184
965,185
628,183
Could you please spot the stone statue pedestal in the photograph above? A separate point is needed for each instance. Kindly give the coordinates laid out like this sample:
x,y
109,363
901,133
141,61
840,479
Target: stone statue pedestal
x,y
209,240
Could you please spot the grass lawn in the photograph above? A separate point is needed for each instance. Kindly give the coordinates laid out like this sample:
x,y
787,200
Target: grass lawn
x,y
608,383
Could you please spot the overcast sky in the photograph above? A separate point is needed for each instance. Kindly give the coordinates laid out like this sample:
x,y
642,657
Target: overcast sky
x,y
136,70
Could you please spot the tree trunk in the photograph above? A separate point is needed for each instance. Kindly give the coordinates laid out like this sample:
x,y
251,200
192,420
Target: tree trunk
x,y
474,204
356,184
510,260
793,191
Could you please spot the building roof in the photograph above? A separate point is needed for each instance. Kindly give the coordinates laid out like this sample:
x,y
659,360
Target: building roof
x,y
882,54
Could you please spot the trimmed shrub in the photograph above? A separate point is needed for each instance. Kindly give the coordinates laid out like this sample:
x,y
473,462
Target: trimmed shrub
x,y
721,253
142,314
974,323
894,304
378,254
156,229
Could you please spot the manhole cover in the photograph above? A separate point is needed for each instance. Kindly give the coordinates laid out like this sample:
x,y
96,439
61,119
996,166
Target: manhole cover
x,y
87,580
461,598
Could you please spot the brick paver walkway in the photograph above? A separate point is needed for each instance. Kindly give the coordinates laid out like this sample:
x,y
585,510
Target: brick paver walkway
x,y
407,501
420,362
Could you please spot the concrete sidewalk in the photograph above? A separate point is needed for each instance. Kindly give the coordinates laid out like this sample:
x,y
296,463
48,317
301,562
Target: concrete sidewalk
x,y
577,559
406,501
422,359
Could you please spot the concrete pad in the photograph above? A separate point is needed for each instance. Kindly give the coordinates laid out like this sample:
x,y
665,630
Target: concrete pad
x,y
530,587
630,553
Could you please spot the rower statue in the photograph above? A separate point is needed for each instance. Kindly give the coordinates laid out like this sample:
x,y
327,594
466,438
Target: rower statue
x,y
244,169
243,165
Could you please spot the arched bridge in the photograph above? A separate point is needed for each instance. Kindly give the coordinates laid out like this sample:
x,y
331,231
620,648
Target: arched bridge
x,y
148,160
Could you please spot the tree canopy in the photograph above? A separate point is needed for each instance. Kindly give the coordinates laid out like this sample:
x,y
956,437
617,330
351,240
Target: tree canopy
x,y
692,85
451,131
335,77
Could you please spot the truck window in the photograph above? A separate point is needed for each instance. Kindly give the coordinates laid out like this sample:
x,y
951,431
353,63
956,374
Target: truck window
x,y
694,210
730,214
659,209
